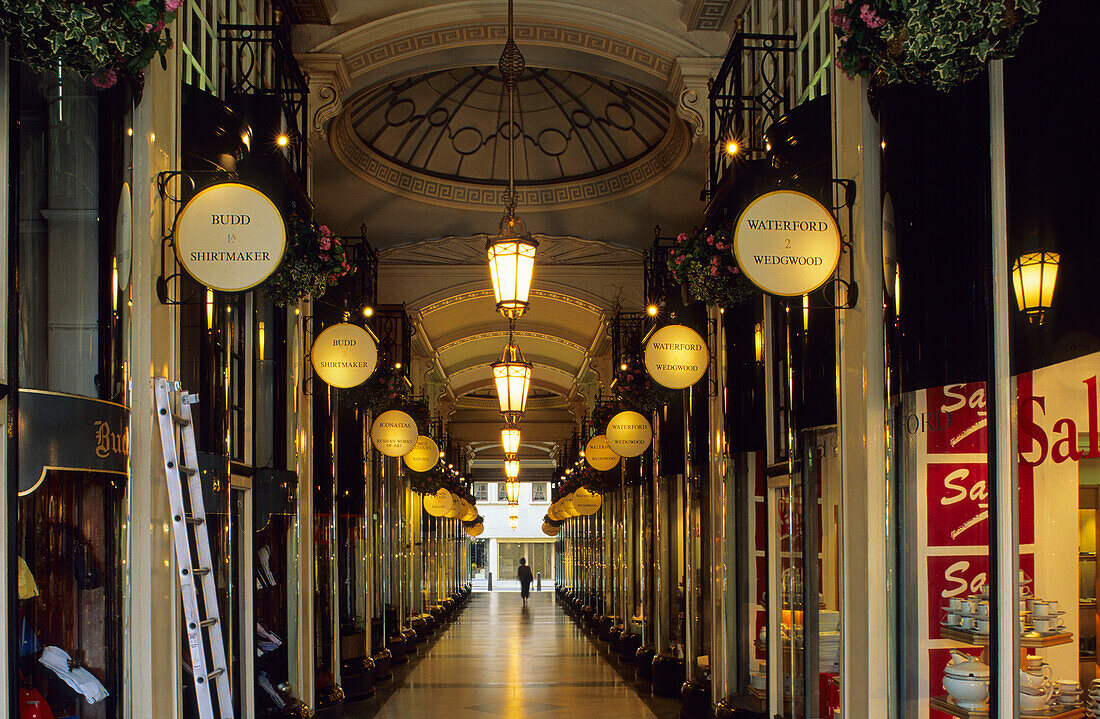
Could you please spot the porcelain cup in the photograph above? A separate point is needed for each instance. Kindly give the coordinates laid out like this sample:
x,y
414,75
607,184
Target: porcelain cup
x,y
956,604
1068,686
1048,624
953,619
1040,608
981,626
1033,662
970,606
983,609
966,623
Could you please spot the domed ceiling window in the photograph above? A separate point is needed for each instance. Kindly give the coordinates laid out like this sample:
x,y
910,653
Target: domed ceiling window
x,y
443,136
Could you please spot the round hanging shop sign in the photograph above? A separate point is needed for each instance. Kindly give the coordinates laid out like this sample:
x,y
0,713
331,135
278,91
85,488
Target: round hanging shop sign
x,y
586,501
676,356
599,455
439,504
787,243
629,434
424,455
230,237
344,355
394,433
550,530
475,530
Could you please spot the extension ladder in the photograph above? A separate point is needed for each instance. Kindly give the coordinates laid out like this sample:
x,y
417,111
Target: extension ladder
x,y
204,632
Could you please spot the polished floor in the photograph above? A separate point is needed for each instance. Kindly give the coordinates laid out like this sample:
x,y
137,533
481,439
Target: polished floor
x,y
498,659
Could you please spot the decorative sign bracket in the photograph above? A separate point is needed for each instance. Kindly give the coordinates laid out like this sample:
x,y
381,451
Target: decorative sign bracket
x,y
844,292
167,231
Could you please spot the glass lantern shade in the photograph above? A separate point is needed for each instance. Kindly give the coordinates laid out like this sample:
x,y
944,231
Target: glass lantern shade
x,y
513,521
509,440
512,488
512,374
511,266
1033,277
511,469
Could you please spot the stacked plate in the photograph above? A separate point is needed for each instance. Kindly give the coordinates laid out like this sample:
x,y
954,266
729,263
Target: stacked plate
x,y
1092,705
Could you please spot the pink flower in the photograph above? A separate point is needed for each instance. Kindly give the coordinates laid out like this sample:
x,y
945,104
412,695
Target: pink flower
x,y
679,259
681,237
870,17
105,79
172,5
323,255
710,239
324,230
324,243
841,21
714,271
719,245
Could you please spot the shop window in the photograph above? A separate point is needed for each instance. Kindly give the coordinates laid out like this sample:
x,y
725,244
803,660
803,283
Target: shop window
x,y
481,491
502,492
538,492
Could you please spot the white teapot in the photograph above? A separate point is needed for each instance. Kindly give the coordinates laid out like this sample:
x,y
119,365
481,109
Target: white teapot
x,y
967,681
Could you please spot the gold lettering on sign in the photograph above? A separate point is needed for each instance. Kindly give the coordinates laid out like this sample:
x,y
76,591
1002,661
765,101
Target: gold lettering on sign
x,y
108,442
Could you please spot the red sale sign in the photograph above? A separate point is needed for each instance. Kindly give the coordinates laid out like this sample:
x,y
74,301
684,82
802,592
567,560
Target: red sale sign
x,y
960,414
958,505
960,575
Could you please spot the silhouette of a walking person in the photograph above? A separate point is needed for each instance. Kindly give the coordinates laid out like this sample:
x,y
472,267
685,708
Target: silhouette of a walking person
x,y
525,579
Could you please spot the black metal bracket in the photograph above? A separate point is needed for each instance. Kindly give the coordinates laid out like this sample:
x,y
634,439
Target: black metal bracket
x,y
168,234
712,352
849,288
4,390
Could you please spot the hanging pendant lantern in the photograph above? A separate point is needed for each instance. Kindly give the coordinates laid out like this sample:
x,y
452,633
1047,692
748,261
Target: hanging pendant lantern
x,y
513,521
511,487
511,469
511,265
512,374
512,252
1034,275
509,441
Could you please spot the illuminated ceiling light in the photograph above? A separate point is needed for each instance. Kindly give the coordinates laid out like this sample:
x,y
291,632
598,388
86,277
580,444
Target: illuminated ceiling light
x,y
1033,277
512,252
368,311
509,440
732,148
512,374
397,365
651,310
512,490
511,469
513,521
623,366
282,140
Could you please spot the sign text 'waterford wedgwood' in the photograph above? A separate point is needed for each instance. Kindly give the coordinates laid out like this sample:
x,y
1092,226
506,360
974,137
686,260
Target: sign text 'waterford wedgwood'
x,y
676,357
629,434
230,237
586,501
393,433
424,455
787,243
599,455
344,355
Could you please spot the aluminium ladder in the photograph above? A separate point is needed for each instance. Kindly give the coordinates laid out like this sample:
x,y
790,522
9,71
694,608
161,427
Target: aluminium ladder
x,y
204,632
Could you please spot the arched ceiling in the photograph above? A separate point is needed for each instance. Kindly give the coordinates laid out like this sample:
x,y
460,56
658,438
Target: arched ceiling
x,y
613,109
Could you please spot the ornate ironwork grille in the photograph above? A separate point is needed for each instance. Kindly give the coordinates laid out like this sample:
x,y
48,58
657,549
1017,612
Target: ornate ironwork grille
x,y
628,329
258,62
392,327
750,93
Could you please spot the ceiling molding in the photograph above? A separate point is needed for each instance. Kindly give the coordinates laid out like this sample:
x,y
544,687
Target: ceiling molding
x,y
310,12
453,296
710,14
382,172
372,47
470,250
500,334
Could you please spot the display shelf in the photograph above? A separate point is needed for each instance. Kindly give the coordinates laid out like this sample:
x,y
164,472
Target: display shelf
x,y
947,705
1029,640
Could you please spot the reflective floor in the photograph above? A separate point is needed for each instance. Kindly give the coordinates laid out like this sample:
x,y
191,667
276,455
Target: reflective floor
x,y
501,660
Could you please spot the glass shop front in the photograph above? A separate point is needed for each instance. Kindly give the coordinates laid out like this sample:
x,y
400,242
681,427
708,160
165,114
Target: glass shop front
x,y
70,308
993,501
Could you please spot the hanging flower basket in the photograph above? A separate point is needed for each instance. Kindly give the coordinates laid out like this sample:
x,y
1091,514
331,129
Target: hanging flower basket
x,y
428,482
314,260
100,40
705,264
940,43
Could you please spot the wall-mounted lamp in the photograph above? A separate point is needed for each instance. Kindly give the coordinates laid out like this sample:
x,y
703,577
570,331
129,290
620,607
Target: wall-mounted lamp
x,y
1034,275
